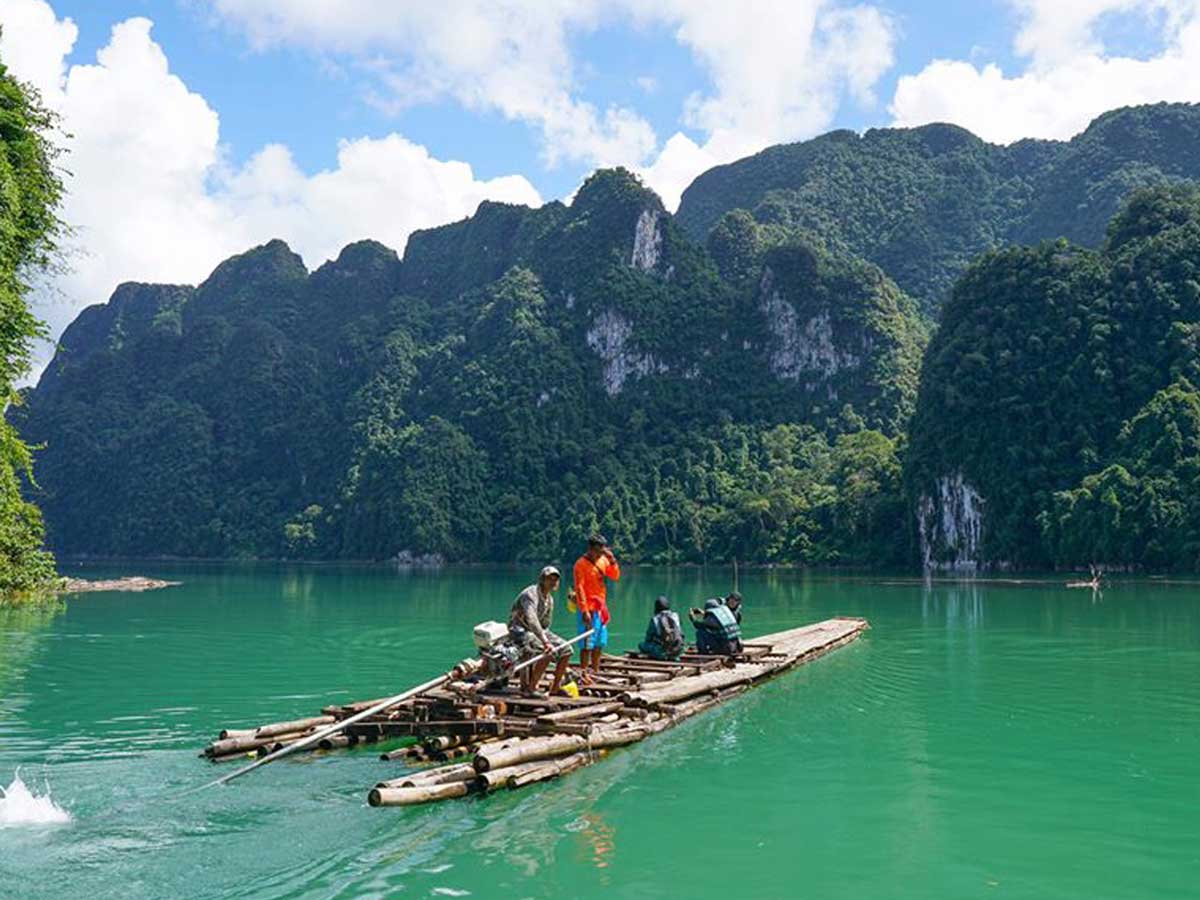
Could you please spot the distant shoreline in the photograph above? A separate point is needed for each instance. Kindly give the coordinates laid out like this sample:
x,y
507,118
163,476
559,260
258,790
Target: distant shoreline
x,y
1016,578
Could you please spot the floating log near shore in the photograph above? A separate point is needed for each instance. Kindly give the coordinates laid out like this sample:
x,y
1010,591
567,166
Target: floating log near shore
x,y
484,740
135,583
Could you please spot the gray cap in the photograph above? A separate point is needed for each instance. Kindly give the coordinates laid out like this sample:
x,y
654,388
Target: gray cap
x,y
550,570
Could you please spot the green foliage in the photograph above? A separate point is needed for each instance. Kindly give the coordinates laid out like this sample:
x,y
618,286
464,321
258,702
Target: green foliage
x,y
524,377
30,190
1048,388
516,382
1144,509
922,203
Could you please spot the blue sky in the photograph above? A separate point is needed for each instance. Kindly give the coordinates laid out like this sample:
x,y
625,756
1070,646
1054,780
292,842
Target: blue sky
x,y
195,129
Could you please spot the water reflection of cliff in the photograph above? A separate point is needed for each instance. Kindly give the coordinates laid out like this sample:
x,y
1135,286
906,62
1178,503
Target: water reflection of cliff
x,y
960,605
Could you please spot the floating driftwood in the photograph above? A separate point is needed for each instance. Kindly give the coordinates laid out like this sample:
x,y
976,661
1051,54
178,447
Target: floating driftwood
x,y
133,583
492,739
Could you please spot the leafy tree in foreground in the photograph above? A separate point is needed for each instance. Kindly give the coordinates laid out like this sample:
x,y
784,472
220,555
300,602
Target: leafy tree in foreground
x,y
30,190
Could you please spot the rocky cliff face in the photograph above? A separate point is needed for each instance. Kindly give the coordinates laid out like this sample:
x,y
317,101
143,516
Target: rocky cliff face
x,y
950,526
647,241
610,337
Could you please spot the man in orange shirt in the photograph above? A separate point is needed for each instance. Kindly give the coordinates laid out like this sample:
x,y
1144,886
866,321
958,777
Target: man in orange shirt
x,y
592,570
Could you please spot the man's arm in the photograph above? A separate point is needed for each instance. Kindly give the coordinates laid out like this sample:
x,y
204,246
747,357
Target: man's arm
x,y
612,569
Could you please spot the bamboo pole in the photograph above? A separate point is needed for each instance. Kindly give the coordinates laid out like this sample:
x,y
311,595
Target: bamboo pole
x,y
416,751
493,779
358,717
440,775
460,671
685,688
409,796
276,744
580,712
299,725
245,744
551,769
536,748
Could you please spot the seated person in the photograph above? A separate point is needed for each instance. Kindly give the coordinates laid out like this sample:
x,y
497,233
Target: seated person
x,y
734,602
717,631
529,626
664,634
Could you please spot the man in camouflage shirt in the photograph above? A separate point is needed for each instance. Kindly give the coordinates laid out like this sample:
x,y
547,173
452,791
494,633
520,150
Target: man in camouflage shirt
x,y
529,625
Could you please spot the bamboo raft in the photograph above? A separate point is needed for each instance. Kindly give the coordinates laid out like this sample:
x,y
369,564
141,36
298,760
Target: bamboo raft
x,y
484,740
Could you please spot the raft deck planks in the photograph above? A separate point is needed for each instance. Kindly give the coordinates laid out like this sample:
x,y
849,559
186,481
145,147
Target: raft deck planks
x,y
513,741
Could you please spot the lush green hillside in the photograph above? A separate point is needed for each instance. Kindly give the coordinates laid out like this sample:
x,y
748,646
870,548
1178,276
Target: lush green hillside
x,y
922,203
518,379
1057,420
29,195
526,375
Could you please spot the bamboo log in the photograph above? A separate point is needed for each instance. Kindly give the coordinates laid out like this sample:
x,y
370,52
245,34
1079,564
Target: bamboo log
x,y
278,744
416,751
440,775
245,744
685,688
455,753
232,745
413,795
493,779
299,725
441,742
334,742
229,757
548,747
521,774
580,712
227,733
580,728
552,769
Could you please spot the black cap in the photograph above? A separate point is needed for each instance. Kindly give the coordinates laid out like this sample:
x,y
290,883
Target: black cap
x,y
735,596
597,540
662,603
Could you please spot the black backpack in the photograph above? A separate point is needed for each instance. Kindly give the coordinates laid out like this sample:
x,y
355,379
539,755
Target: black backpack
x,y
671,633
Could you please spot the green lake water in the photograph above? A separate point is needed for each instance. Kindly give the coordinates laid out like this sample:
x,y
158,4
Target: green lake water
x,y
982,740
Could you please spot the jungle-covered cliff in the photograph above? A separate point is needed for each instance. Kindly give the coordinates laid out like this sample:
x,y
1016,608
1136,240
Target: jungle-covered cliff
x,y
1058,420
922,203
736,381
518,379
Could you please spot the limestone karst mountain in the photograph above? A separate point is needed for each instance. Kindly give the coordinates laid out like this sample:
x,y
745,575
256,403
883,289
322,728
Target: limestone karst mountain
x,y
735,381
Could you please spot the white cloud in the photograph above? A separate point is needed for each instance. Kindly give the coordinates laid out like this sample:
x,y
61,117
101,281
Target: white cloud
x,y
151,199
779,68
676,166
1070,76
510,56
382,189
39,55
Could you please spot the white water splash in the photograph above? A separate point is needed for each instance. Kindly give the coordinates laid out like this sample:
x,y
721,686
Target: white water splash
x,y
21,806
